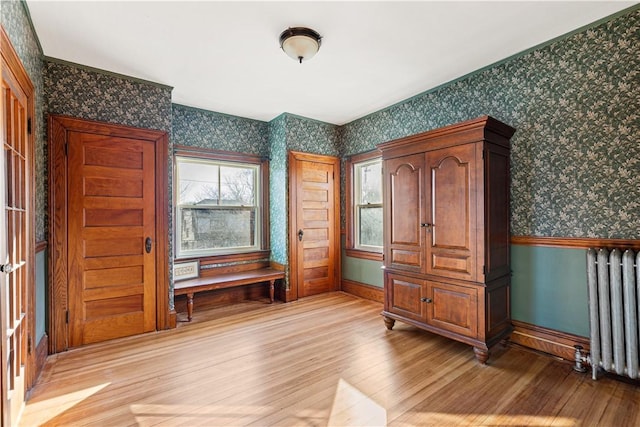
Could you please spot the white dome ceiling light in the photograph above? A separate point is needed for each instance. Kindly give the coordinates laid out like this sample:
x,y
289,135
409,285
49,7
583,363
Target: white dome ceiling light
x,y
300,43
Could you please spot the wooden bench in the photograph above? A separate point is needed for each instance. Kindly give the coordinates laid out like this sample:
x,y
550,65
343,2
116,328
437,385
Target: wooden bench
x,y
226,280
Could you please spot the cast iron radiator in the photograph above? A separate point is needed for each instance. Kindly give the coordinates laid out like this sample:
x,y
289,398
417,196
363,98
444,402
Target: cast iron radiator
x,y
614,309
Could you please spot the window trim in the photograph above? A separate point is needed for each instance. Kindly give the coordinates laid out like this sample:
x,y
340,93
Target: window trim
x,y
350,248
263,200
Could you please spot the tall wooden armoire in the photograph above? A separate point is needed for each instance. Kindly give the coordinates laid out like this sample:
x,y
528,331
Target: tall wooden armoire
x,y
446,228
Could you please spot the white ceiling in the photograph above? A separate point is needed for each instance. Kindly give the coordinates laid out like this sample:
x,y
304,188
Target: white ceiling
x,y
225,56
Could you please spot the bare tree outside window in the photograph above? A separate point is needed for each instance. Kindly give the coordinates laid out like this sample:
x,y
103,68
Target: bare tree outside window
x,y
216,207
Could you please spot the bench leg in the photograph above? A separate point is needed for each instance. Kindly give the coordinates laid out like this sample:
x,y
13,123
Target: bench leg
x,y
271,290
189,306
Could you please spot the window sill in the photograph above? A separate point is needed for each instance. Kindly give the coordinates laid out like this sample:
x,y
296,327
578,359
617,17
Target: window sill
x,y
229,258
357,253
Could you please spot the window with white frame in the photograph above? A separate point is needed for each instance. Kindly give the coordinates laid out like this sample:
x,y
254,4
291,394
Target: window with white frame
x,y
217,207
367,205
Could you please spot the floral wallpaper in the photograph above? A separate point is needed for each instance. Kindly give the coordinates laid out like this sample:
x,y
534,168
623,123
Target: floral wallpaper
x,y
208,129
311,136
18,27
278,189
575,103
98,95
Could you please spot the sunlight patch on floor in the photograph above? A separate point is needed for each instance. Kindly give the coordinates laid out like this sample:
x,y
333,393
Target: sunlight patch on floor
x,y
442,419
351,407
42,411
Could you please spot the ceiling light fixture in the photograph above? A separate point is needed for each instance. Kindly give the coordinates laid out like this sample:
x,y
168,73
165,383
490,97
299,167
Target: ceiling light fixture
x,y
300,43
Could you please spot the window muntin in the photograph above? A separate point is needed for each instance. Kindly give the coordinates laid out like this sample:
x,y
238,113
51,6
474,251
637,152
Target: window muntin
x,y
367,209
217,207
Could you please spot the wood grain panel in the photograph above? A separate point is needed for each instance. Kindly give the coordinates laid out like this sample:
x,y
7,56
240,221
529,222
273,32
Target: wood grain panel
x,y
110,187
113,276
112,247
107,156
113,217
114,306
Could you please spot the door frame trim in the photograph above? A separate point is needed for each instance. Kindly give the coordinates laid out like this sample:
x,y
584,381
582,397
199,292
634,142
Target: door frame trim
x,y
293,158
58,305
14,66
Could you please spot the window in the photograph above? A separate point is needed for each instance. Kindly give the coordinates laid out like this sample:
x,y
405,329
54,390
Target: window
x,y
365,238
218,206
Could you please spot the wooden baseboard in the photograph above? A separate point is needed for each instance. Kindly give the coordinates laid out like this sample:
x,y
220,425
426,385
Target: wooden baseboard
x,y
173,319
549,341
363,290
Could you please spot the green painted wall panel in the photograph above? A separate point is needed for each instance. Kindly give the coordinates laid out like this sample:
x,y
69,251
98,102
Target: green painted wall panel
x,y
549,288
362,270
41,292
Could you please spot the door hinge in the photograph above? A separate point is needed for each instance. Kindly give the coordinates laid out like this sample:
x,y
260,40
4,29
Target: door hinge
x,y
484,269
66,316
29,344
29,125
66,149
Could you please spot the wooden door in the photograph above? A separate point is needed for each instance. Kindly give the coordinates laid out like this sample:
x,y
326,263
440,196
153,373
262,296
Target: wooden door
x,y
405,214
16,236
109,239
451,192
314,232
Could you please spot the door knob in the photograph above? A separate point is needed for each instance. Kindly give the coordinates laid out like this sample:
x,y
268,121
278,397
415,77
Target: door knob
x,y
6,268
425,299
300,234
147,244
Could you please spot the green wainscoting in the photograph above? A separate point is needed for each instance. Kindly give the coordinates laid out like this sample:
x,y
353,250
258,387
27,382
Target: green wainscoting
x,y
41,292
548,286
362,270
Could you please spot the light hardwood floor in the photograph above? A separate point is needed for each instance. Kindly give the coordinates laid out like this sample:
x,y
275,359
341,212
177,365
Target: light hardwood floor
x,y
323,360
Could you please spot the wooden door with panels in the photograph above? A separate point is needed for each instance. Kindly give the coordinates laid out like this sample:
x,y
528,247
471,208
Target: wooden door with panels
x,y
109,238
314,232
17,237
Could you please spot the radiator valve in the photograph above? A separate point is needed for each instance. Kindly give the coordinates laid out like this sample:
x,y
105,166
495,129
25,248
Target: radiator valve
x,y
580,359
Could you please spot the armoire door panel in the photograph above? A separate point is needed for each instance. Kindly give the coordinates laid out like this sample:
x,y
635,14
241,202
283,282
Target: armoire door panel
x,y
404,181
405,297
453,308
452,208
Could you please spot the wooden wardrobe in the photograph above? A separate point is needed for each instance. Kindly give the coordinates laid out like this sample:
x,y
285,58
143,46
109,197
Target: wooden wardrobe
x,y
446,228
